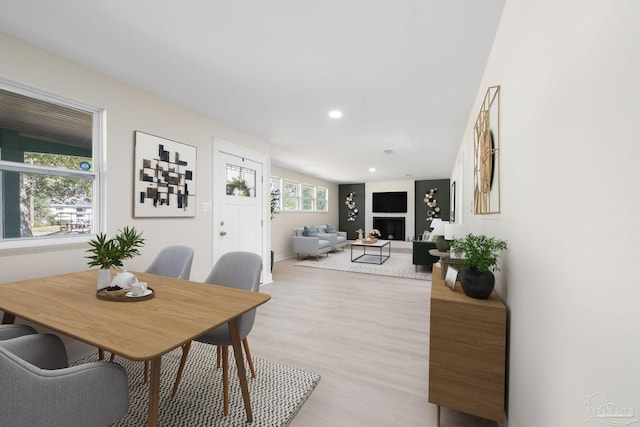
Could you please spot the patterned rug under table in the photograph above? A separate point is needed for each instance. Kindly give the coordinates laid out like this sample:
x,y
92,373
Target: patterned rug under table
x,y
277,392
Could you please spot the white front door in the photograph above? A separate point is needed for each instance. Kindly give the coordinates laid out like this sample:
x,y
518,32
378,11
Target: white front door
x,y
238,204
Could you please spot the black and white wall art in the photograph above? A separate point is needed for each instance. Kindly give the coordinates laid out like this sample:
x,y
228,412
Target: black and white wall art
x,y
164,177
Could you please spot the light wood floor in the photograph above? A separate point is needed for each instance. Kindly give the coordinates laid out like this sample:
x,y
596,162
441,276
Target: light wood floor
x,y
366,335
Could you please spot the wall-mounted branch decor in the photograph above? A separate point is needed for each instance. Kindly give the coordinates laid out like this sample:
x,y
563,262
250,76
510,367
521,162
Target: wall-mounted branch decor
x,y
486,163
432,204
164,178
352,213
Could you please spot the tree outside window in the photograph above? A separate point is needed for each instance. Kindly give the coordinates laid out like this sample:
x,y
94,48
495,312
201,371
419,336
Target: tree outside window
x,y
322,199
308,198
291,197
47,180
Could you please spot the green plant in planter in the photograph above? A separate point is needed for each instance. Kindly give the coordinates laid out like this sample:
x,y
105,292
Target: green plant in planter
x,y
108,253
275,196
480,252
480,260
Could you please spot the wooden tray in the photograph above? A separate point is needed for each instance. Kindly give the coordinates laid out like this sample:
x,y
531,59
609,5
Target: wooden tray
x,y
101,294
369,241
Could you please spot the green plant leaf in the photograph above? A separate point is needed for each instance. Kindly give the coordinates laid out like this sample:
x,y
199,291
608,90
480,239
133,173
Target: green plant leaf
x,y
480,251
108,253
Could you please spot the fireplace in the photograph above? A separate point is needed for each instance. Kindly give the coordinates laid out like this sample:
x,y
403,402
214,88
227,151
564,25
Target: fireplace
x,y
390,226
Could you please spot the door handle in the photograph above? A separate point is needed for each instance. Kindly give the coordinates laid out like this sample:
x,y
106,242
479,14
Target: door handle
x,y
223,233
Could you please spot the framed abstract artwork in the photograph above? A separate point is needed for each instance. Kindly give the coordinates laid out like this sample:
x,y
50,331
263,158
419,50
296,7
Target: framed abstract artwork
x,y
486,164
164,178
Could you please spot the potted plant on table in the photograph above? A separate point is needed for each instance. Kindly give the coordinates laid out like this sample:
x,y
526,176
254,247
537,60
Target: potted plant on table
x,y
110,253
480,260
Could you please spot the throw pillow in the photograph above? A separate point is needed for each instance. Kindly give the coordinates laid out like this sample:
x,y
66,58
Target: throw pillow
x,y
310,231
331,229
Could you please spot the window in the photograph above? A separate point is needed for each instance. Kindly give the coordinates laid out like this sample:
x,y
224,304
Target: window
x,y
299,197
49,184
291,196
308,197
276,194
322,199
241,181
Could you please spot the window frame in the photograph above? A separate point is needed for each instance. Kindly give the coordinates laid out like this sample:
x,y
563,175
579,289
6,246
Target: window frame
x,y
286,197
312,199
325,199
300,198
98,151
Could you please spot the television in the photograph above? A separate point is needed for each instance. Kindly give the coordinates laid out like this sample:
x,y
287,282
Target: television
x,y
390,202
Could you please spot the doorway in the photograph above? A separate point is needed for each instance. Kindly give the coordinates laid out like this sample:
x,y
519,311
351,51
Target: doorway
x,y
238,194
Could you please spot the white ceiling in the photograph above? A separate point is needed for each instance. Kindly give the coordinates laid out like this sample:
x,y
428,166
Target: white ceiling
x,y
405,73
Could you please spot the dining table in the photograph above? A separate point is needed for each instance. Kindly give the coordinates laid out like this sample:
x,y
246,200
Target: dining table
x,y
143,329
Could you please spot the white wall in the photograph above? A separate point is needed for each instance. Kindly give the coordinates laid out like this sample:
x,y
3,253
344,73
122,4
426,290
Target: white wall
x,y
127,110
568,72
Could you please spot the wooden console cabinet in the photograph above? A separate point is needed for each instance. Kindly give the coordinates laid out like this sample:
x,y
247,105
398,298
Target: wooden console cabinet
x,y
467,351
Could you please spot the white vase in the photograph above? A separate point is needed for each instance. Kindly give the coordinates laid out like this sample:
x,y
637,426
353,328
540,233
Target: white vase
x,y
360,237
104,278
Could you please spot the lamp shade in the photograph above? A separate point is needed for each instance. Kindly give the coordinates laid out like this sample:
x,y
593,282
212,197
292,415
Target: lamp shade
x,y
453,231
438,227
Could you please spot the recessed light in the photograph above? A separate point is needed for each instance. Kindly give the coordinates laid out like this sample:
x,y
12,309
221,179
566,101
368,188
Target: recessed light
x,y
335,114
372,169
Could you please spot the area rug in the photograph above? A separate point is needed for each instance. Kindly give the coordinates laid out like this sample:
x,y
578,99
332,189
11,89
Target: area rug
x,y
277,392
398,265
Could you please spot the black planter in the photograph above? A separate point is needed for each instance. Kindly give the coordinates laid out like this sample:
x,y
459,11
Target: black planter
x,y
476,284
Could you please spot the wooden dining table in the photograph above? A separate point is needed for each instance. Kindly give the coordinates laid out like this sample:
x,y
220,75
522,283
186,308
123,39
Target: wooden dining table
x,y
143,329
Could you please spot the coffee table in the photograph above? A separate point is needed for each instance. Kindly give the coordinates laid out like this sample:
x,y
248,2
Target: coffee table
x,y
369,258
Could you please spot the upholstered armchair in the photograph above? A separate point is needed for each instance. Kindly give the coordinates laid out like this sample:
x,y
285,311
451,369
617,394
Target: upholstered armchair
x,y
421,255
310,245
38,389
337,238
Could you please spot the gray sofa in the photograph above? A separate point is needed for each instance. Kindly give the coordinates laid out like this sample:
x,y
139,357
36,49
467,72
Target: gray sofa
x,y
317,241
309,245
338,239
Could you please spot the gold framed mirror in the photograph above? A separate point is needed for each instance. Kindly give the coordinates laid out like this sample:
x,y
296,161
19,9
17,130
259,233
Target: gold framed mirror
x,y
486,159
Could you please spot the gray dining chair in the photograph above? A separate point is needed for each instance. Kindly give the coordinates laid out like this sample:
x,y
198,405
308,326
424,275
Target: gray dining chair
x,y
13,331
173,261
239,270
38,389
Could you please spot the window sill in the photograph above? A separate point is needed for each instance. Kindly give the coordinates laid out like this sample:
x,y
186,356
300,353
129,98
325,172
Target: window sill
x,y
43,243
